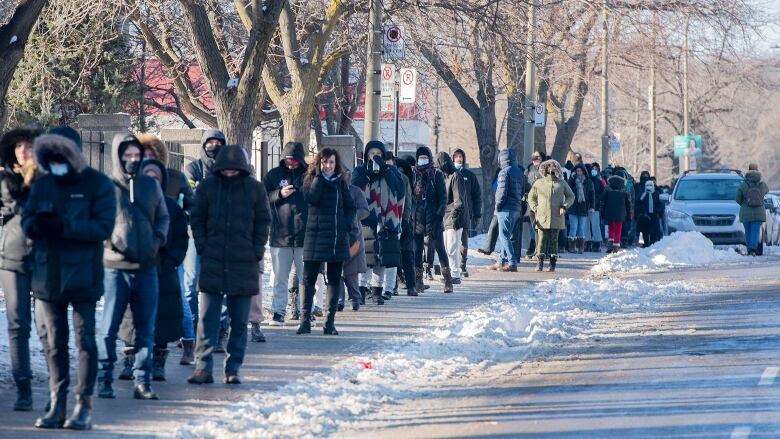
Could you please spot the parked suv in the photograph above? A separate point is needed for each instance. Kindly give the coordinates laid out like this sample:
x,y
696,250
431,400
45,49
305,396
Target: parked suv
x,y
705,202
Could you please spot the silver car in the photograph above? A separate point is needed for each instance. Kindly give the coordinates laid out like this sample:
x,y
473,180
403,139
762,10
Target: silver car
x,y
705,202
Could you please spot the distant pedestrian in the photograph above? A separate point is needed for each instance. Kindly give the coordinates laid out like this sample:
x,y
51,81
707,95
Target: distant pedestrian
x,y
356,265
584,204
750,197
473,206
509,198
532,174
616,209
455,215
69,216
331,214
593,232
230,223
649,210
550,198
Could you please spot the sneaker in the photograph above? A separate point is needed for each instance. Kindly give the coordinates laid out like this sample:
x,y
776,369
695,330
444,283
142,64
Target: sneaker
x,y
317,311
340,307
464,272
232,378
456,281
277,320
201,377
484,252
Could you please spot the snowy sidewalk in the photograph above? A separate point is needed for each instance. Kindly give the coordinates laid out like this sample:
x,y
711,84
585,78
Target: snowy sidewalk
x,y
283,359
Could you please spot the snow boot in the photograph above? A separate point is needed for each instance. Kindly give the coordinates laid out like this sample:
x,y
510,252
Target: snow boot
x,y
257,333
201,377
158,363
293,308
187,352
363,294
411,292
553,261
540,263
55,417
611,246
376,295
23,396
144,391
387,295
447,274
508,268
428,273
580,245
128,360
496,267
418,278
570,245
105,390
81,419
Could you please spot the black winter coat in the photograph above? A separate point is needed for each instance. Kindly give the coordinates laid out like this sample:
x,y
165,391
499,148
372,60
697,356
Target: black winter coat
x,y
288,228
69,267
168,323
331,213
15,246
581,207
616,202
455,215
230,222
432,203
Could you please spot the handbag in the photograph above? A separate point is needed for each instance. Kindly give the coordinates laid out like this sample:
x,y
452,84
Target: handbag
x,y
389,253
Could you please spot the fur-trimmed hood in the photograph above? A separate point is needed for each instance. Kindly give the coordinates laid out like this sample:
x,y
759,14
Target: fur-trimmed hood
x,y
9,141
616,182
47,145
160,166
152,142
551,167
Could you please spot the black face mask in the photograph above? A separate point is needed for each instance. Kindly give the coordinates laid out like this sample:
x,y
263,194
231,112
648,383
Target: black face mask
x,y
131,168
211,151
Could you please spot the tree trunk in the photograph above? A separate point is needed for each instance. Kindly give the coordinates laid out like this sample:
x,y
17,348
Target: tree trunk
x,y
296,108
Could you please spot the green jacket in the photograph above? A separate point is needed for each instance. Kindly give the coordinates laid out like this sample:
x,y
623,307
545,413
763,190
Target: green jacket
x,y
746,213
546,198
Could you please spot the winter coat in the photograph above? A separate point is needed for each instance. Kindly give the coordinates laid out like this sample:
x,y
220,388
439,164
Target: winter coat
x,y
431,198
473,198
598,187
581,207
331,214
142,218
15,246
747,213
455,215
509,192
288,228
177,184
168,322
70,267
643,205
407,228
546,198
198,170
230,222
616,202
357,264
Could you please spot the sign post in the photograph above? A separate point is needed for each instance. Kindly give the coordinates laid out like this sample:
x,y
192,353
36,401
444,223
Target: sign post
x,y
408,92
539,115
394,42
388,87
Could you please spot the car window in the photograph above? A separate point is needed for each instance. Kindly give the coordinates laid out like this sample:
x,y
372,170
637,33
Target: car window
x,y
707,190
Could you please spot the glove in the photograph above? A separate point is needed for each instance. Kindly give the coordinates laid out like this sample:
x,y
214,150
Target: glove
x,y
49,225
378,165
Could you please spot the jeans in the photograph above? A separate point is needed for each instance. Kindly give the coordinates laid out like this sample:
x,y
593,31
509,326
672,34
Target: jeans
x,y
752,232
140,290
492,236
282,261
209,326
187,321
191,267
577,226
54,317
452,238
18,300
506,227
593,229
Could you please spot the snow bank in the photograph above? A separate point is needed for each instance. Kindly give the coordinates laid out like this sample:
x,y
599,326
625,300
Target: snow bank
x,y
503,331
680,249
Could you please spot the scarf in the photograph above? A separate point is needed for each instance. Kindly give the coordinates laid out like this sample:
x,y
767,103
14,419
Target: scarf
x,y
424,177
385,204
648,193
579,181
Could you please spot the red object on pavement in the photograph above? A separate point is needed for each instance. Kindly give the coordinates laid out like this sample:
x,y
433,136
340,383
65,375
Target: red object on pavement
x,y
366,364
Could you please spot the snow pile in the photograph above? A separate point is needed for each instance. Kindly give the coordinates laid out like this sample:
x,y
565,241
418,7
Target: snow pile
x,y
503,331
680,249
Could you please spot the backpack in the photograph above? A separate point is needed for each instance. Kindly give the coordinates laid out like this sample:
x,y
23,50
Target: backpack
x,y
754,197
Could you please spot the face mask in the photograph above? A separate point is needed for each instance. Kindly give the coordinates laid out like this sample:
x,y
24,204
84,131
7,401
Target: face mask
x,y
132,167
211,151
422,162
58,169
594,172
327,175
458,166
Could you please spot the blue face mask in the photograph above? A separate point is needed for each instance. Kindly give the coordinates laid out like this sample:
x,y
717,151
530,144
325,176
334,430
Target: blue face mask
x,y
594,172
458,166
422,162
58,169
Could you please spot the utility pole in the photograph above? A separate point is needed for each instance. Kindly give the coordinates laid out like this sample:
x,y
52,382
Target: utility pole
x,y
651,103
373,84
530,85
604,90
686,121
437,119
397,115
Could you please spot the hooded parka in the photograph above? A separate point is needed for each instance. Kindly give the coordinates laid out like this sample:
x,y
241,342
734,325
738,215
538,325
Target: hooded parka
x,y
430,194
198,170
177,184
455,215
331,214
288,228
548,195
747,213
616,201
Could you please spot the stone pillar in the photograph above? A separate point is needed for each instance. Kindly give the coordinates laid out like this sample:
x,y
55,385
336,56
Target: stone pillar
x,y
189,140
97,132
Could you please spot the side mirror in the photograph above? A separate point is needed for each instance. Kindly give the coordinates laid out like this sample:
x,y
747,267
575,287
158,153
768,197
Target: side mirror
x,y
664,198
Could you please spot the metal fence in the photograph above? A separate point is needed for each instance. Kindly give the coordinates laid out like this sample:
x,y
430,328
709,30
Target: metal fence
x,y
97,151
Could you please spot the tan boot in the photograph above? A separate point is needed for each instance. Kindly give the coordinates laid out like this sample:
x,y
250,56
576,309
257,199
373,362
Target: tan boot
x,y
418,279
570,245
447,274
496,267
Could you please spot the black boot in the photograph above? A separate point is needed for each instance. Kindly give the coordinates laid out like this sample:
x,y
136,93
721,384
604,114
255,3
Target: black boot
x,y
411,292
308,303
158,363
387,295
363,294
55,418
540,263
128,360
144,391
553,260
376,294
419,281
293,310
105,390
332,301
81,419
23,396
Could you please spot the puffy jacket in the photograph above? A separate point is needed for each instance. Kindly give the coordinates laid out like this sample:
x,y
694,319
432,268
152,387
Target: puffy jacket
x,y
177,184
69,268
198,170
15,246
142,218
331,214
288,228
747,213
509,191
473,198
230,223
582,206
430,194
455,215
616,201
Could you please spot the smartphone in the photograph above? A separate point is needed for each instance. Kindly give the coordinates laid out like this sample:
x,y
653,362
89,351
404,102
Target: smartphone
x,y
284,183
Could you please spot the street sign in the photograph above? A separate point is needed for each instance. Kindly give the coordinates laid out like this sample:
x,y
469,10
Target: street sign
x,y
614,142
408,79
539,113
387,96
687,145
394,44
